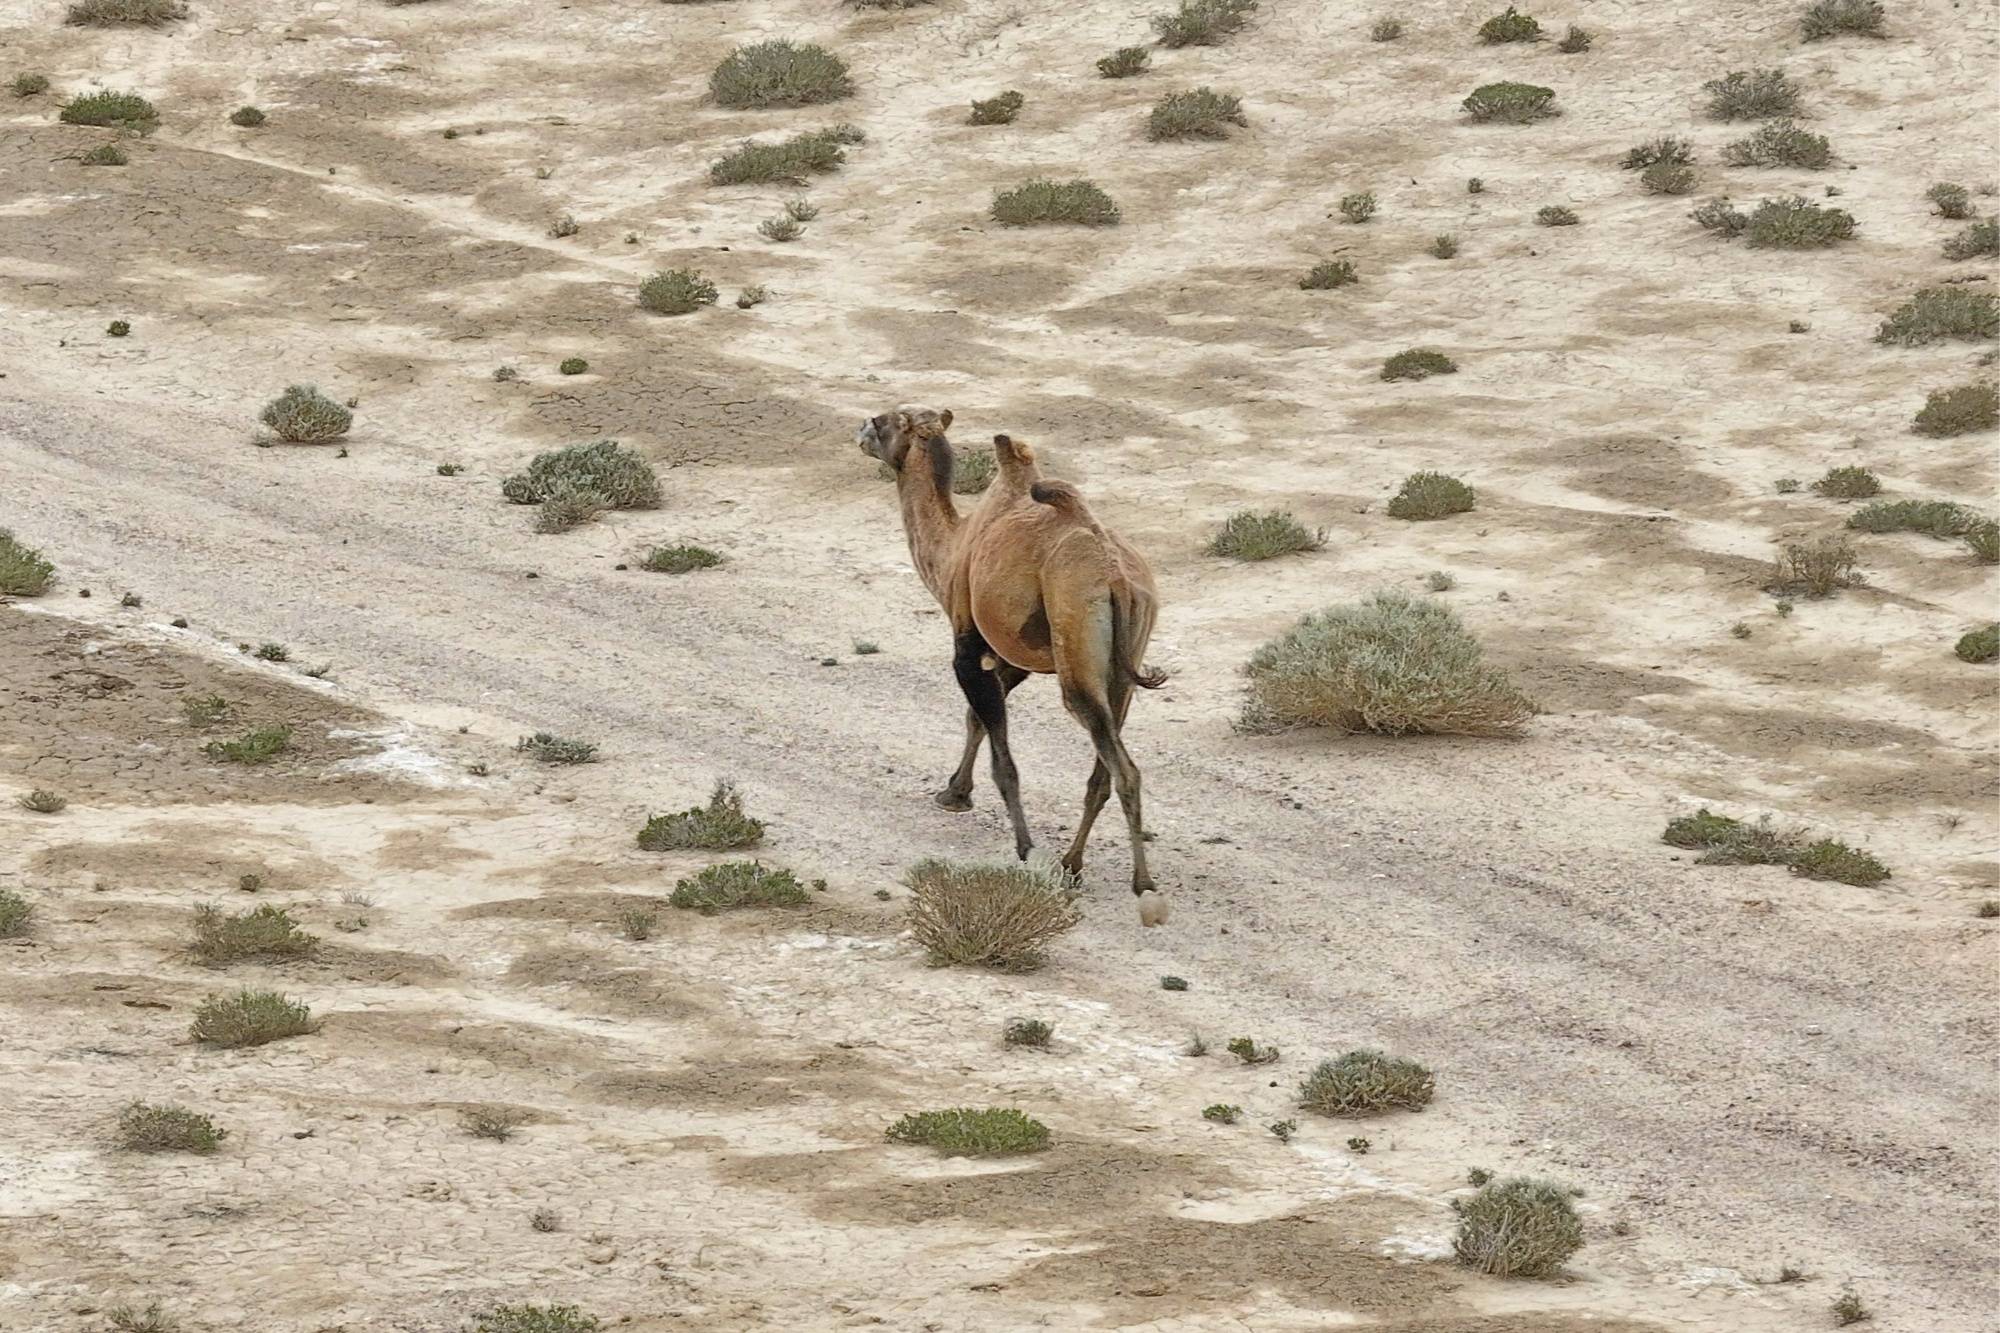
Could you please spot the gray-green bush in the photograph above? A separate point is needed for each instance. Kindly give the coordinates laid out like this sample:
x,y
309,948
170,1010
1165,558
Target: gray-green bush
x,y
1667,151
793,161
1780,144
1200,114
1979,645
975,915
738,884
548,748
1795,223
16,912
968,1132
1365,1081
1510,25
1043,202
1329,274
1429,495
1248,535
1757,94
1125,62
1417,364
1518,1227
304,415
125,111
124,13
999,110
619,477
262,932
779,73
1848,483
681,559
1979,241
1937,313
719,826
1943,519
676,291
143,1127
249,1018
1955,411
1950,201
1510,103
24,571
1829,18
1202,22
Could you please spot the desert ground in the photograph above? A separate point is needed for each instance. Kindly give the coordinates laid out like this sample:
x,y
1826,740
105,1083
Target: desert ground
x,y
1742,1069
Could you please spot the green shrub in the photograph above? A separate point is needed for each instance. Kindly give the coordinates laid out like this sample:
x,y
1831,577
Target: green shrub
x,y
1828,859
678,559
1667,178
1848,483
151,1319
1934,518
1200,114
1828,18
126,111
23,571
972,473
118,328
42,801
146,1128
1979,241
1222,1113
1203,22
636,923
999,110
1517,1227
620,476
250,1018
205,710
1717,216
1042,201
16,912
1428,495
1937,313
1444,245
248,117
738,884
1950,201
1757,94
1027,1032
1125,62
1250,1052
572,365
1576,41
1797,224
1386,30
779,73
1366,1081
1394,664
1510,103
1849,1308
252,747
676,291
1510,25
966,1132
105,155
1780,144
1816,568
1983,538
30,85
537,1319
124,13
793,161
1475,186
549,748
569,509
491,1122
781,228
1329,274
719,826
1555,215
1417,364
1358,207
304,415
1666,151
1000,916
1247,535
1979,645
261,932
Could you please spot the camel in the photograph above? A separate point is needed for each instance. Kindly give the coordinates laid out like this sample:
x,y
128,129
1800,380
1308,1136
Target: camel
x,y
1033,585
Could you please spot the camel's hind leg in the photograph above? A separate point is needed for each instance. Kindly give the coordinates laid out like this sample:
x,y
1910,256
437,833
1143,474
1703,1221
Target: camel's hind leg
x,y
957,793
988,698
1098,790
1091,680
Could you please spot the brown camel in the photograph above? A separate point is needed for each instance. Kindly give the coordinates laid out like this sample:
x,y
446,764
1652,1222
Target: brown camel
x,y
1033,585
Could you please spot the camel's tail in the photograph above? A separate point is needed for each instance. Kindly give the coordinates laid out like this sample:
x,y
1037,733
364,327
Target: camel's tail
x,y
1067,500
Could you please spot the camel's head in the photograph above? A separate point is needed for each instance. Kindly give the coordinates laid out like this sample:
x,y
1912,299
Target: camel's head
x,y
890,436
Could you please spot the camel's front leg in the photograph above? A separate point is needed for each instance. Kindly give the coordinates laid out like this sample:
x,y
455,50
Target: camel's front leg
x,y
987,694
957,793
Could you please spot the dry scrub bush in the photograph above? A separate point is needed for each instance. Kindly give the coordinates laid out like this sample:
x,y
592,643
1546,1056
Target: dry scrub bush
x,y
1576,40
1200,114
1247,535
1757,94
1444,245
1329,274
1797,224
1832,860
1031,1032
250,1018
247,117
152,1319
42,801
29,85
968,1132
304,415
1396,664
1719,217
15,914
1667,178
1848,483
1125,62
1510,25
1666,151
537,1319
1418,364
1782,144
792,161
782,228
261,932
1983,539
1979,645
1386,30
569,509
779,73
999,110
1510,103
125,111
23,570
678,559
989,915
1202,22
1937,313
971,474
124,13
1979,241
1042,202
1358,207
618,476
1943,519
146,1128
1517,1227
1817,568
738,884
1829,18
1725,841
1950,201
258,746
1366,1081
1555,215
1431,495
491,1122
719,826
676,291
1849,1308
549,748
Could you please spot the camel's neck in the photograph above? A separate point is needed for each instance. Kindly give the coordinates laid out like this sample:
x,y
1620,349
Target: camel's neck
x,y
930,521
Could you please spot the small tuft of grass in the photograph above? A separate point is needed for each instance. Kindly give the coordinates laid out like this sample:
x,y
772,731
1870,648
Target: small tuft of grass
x,y
258,746
1027,1032
1987,909
537,1319
866,648
1756,94
23,570
569,509
30,85
1431,495
42,801
620,476
1173,983
1249,1052
782,228
1248,535
1222,1113
304,415
1576,41
151,1319
1519,1227
1042,202
15,914
1555,215
1510,25
1418,364
125,111
1125,62
1202,22
1363,1082
1831,859
1283,1129
1666,151
719,826
1938,313
1358,1145
1329,274
966,1132
247,117
1830,18
450,469
1477,1176
637,923
118,328
262,932
1002,916
793,161
549,748
1667,178
1796,223
491,1122
1979,241
1817,568
1396,664
999,110
738,884
1718,216
1848,1308
272,652
1202,113
779,73
679,559
1781,144
1444,245
250,1018
1510,103
1848,483
166,1128
1474,185
1950,201
676,291
1979,645
124,13
1385,30
1358,207
1983,538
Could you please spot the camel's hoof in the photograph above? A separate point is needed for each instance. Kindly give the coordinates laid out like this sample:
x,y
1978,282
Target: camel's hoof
x,y
1152,909
951,800
1021,850
1073,868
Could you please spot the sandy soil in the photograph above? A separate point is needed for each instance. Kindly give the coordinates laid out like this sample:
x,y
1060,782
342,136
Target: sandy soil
x,y
1742,1069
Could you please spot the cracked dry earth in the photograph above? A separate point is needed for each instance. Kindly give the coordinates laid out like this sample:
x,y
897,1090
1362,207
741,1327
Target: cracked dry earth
x,y
1741,1069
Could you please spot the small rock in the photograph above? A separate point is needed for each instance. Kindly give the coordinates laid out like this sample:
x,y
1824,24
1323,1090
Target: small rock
x,y
601,1254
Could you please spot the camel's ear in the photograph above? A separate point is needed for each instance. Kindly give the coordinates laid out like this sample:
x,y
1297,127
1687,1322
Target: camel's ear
x,y
944,419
